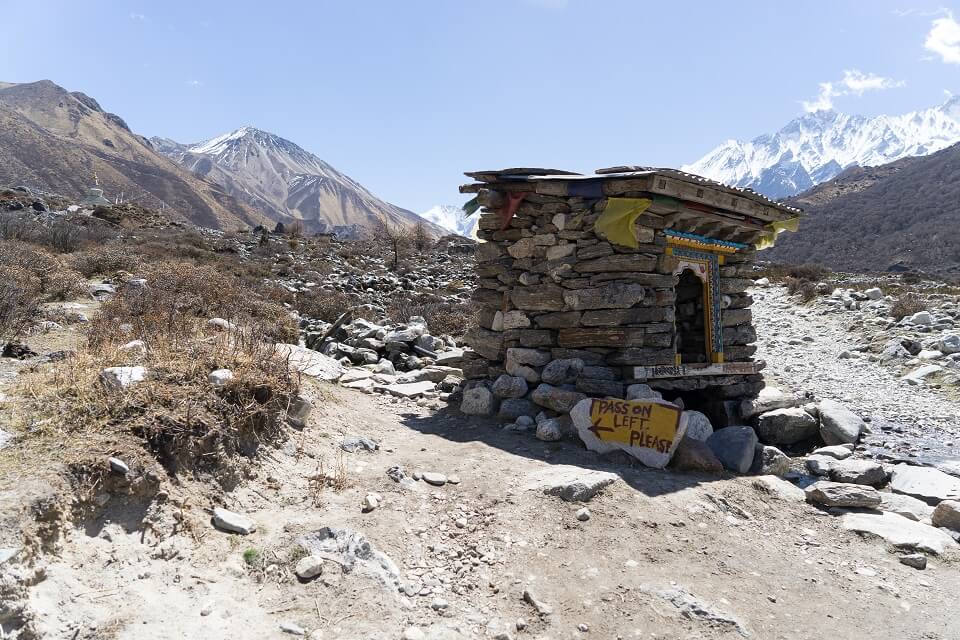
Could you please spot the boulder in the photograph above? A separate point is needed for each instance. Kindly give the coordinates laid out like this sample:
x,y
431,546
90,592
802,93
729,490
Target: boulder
x,y
695,455
820,465
642,392
768,399
899,531
906,506
122,377
874,294
563,371
570,483
507,386
556,398
786,426
838,425
219,377
513,408
309,567
550,430
837,451
698,426
947,514
949,344
838,494
928,484
410,389
233,522
478,401
779,488
656,455
769,461
865,472
734,447
309,362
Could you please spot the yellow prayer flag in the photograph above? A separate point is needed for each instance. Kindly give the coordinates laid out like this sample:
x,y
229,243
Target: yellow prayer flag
x,y
769,237
617,220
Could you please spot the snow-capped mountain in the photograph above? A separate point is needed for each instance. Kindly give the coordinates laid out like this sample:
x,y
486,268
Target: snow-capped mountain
x,y
818,146
286,182
452,218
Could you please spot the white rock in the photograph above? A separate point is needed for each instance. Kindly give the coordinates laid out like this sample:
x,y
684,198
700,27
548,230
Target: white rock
x,y
921,318
410,389
233,522
309,362
122,377
899,531
220,377
906,506
642,392
478,401
930,354
583,514
698,426
118,466
371,501
135,346
768,399
874,294
434,478
221,324
573,484
918,375
309,567
925,483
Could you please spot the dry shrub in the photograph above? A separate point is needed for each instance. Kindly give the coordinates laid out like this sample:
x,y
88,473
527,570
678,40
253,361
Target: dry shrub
x,y
105,261
19,302
806,289
62,235
180,297
57,280
907,305
448,318
324,305
185,422
783,272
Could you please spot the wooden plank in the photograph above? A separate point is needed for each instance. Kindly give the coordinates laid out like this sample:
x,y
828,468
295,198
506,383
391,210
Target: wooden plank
x,y
713,197
688,370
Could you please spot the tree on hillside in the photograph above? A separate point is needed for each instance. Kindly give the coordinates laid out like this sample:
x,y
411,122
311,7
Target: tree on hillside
x,y
393,238
422,240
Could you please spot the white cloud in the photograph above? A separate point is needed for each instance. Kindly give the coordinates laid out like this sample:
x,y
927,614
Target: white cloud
x,y
138,17
944,39
194,83
854,82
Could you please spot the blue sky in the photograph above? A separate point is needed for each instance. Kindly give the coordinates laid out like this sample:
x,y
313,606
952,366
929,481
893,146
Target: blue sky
x,y
406,95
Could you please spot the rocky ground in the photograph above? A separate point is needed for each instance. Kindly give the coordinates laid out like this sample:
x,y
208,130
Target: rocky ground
x,y
410,520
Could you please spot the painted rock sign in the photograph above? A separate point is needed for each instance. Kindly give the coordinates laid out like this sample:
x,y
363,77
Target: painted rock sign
x,y
649,430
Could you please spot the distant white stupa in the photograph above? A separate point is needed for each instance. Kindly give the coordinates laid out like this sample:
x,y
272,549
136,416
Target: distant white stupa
x,y
94,197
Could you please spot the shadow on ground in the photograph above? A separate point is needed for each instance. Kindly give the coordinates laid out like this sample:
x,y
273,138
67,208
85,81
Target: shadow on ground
x,y
452,425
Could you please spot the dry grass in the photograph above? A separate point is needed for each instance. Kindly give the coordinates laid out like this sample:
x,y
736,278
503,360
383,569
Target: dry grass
x,y
184,422
443,318
907,304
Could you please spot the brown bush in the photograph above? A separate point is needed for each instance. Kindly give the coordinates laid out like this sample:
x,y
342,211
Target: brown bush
x,y
19,302
781,272
443,318
907,305
105,261
57,280
178,300
324,305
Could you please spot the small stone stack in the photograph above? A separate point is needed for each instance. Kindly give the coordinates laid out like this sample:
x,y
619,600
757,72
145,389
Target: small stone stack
x,y
567,313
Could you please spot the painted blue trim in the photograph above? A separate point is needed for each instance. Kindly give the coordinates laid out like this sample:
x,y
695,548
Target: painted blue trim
x,y
705,239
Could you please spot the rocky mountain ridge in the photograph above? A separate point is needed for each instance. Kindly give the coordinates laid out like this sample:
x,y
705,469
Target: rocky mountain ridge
x,y
899,216
55,140
287,183
818,146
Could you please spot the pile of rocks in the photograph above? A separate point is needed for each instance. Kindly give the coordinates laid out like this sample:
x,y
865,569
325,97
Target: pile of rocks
x,y
404,360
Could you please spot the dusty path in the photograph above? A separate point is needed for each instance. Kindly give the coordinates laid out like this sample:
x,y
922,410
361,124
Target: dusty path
x,y
467,552
908,421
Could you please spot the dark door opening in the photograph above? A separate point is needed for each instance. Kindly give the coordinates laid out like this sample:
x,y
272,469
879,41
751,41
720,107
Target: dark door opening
x,y
690,320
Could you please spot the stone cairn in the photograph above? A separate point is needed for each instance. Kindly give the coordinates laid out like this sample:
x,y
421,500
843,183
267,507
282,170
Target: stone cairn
x,y
567,314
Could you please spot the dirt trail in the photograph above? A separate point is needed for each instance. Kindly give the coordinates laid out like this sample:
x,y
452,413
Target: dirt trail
x,y
782,569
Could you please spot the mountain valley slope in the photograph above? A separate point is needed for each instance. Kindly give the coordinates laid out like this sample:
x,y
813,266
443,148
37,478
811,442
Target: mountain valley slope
x,y
55,140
